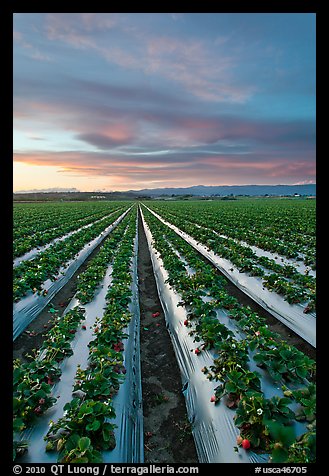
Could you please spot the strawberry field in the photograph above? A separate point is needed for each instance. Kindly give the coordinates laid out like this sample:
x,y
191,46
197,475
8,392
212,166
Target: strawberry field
x,y
236,281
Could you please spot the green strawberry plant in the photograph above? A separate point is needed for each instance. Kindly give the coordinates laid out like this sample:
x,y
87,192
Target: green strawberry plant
x,y
236,384
87,419
253,414
286,362
306,398
77,450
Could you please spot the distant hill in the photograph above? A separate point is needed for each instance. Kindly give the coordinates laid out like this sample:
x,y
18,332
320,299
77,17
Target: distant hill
x,y
224,190
196,191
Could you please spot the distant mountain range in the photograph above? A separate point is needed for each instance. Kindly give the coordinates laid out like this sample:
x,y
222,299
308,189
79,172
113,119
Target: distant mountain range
x,y
224,190
51,194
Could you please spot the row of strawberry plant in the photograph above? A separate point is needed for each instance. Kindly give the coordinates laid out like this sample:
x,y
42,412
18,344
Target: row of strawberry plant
x,y
285,280
286,227
96,269
231,363
85,430
30,275
212,280
33,379
36,236
30,218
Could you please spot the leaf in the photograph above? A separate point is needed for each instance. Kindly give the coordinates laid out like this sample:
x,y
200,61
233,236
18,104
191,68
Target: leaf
x,y
281,433
84,443
230,387
85,409
72,442
279,455
259,358
301,372
284,401
275,375
18,424
60,444
253,345
94,426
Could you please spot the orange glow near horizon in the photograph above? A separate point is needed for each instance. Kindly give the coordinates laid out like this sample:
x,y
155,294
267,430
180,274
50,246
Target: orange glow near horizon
x,y
40,177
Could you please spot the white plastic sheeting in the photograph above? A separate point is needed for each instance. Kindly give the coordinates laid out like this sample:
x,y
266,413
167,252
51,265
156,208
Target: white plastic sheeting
x,y
213,427
291,315
128,401
28,308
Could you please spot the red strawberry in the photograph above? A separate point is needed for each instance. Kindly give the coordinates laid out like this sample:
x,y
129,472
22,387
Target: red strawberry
x,y
185,322
84,327
197,351
156,314
245,444
213,399
118,347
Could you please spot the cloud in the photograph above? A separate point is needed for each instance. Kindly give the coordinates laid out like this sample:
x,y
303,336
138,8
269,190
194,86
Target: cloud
x,y
32,51
192,63
115,136
183,167
121,121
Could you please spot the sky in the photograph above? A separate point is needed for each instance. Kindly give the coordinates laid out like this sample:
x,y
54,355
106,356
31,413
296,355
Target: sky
x,y
121,101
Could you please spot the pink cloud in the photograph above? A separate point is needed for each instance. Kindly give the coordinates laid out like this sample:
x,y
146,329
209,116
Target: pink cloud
x,y
202,169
